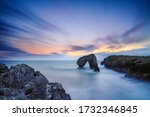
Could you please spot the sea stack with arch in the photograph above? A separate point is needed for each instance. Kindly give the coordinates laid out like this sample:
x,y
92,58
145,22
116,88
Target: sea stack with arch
x,y
91,59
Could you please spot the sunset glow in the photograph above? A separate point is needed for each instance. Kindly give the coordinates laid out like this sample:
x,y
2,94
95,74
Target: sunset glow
x,y
73,28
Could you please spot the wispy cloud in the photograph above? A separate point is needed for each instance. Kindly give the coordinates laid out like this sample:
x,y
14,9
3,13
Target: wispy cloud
x,y
114,43
119,42
86,47
22,25
36,28
25,15
134,29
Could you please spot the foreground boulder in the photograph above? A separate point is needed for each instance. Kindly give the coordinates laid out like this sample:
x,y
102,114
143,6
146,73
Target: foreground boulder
x,y
55,91
135,66
23,82
3,68
91,59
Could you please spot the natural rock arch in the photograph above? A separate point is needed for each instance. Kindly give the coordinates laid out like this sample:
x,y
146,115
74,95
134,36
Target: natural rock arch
x,y
91,59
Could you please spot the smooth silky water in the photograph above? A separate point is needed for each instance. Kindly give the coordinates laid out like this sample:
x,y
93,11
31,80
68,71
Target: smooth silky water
x,y
85,84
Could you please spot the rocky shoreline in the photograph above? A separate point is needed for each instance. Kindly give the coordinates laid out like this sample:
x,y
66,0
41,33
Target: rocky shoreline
x,y
21,82
134,66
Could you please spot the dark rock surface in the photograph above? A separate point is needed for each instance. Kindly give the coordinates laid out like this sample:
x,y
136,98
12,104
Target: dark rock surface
x,y
55,91
135,66
23,83
82,61
3,68
91,59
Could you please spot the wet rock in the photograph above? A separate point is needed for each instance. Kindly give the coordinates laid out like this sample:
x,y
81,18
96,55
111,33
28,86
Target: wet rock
x,y
91,59
22,82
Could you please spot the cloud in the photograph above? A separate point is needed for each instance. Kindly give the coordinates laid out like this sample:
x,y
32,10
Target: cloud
x,y
7,51
12,54
25,15
122,42
109,39
113,43
141,52
134,29
112,47
9,30
89,47
29,29
22,24
5,47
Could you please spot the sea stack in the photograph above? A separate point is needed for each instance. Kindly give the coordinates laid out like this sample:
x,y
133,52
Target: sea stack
x,y
21,82
91,59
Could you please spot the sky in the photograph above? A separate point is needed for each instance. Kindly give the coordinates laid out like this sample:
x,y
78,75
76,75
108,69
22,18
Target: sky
x,y
67,29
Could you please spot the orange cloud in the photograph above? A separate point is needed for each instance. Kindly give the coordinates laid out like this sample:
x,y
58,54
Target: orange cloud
x,y
107,49
77,53
128,47
39,48
36,48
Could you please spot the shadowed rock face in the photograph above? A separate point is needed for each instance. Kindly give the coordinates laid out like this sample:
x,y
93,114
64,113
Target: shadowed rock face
x,y
136,66
22,82
3,68
55,91
91,59
82,61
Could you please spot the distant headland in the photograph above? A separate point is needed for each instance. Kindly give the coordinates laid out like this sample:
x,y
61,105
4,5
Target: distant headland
x,y
134,66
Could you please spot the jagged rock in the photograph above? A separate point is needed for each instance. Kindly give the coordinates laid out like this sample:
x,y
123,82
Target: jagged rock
x,y
36,87
91,59
3,68
2,92
23,82
136,66
17,76
55,91
6,93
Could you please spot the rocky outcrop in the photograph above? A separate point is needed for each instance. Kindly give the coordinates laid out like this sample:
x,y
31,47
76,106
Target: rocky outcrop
x,y
91,59
82,61
3,68
136,66
55,91
23,82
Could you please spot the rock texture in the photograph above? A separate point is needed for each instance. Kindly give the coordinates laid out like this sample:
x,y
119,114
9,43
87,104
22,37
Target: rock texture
x,y
136,66
23,82
3,68
91,59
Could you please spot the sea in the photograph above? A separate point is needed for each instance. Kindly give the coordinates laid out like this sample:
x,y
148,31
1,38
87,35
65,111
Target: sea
x,y
85,84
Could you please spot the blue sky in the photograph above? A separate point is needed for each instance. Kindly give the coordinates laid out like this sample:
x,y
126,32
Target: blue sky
x,y
66,29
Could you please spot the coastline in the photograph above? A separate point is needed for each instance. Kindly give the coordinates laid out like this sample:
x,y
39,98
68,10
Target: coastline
x,y
21,82
133,66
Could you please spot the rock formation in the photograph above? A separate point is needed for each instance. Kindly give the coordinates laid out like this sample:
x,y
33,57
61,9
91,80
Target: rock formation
x,y
91,59
22,82
136,66
3,68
